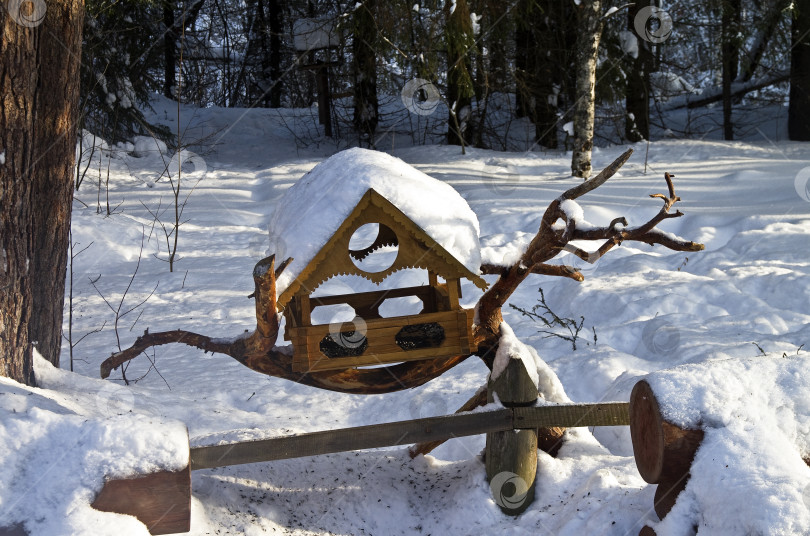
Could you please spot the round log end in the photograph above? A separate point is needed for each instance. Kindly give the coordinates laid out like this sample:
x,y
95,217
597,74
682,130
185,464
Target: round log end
x,y
646,432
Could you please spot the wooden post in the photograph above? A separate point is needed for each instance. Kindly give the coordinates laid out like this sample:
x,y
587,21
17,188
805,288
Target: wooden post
x,y
663,451
511,456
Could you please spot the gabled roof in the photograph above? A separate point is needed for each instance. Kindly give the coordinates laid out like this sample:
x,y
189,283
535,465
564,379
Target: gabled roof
x,y
416,249
309,213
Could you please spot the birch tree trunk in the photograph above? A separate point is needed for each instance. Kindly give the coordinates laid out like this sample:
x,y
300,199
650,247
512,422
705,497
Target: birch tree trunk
x,y
589,16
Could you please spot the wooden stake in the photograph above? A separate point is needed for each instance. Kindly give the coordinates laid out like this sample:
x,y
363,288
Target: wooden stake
x,y
511,456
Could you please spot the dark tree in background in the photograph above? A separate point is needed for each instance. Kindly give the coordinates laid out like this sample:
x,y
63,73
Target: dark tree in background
x,y
799,109
539,30
637,96
272,64
460,89
364,70
730,54
123,65
39,78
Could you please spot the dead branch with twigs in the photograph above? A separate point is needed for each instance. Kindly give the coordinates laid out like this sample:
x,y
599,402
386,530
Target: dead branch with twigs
x,y
258,351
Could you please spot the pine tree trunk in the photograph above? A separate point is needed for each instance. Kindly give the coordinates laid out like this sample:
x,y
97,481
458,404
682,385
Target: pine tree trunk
x,y
275,16
39,78
523,36
637,97
547,72
55,127
495,31
18,84
460,89
590,31
799,109
364,70
730,52
537,28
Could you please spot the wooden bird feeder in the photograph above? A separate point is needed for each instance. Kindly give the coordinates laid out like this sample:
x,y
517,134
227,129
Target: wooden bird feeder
x,y
441,329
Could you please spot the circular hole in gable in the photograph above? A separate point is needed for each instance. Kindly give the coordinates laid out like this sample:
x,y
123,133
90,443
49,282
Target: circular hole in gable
x,y
373,247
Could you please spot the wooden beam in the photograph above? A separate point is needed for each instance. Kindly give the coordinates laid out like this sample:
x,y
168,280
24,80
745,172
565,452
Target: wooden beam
x,y
407,432
573,415
361,437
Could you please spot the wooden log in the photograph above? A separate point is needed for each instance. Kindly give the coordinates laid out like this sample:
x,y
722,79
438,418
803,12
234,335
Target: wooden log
x,y
161,501
662,450
511,456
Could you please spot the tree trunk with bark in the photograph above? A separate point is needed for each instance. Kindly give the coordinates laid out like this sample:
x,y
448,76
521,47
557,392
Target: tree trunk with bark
x,y
55,127
364,70
460,87
589,17
730,52
39,61
799,109
495,32
274,14
538,57
637,96
523,51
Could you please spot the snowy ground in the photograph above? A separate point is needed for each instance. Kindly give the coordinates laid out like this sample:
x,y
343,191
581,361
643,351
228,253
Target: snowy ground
x,y
650,309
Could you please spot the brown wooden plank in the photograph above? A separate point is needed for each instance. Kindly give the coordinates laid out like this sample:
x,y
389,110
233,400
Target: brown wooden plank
x,y
306,309
573,415
382,347
453,292
361,437
377,359
374,323
373,298
161,501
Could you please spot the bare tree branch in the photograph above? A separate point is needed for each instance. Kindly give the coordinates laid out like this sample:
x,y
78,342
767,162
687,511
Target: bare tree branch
x,y
257,349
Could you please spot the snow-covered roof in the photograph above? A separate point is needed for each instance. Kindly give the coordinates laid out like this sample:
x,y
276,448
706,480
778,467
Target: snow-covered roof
x,y
310,212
